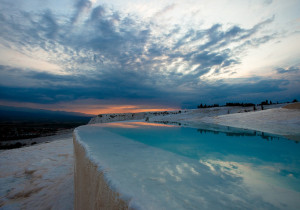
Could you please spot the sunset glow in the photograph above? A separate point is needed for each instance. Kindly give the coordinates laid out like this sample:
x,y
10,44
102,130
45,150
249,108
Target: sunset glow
x,y
92,107
113,56
120,110
132,125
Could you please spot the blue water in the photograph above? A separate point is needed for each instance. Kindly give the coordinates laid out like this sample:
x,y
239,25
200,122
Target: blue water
x,y
215,167
256,148
200,143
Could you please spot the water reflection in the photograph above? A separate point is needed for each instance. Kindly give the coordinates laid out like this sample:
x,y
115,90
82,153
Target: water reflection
x,y
205,141
137,124
241,132
237,168
265,152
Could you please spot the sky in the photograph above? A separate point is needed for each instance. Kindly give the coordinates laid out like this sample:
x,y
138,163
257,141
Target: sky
x,y
117,56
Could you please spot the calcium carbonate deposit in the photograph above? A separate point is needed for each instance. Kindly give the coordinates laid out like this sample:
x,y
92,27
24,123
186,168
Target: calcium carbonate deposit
x,y
157,166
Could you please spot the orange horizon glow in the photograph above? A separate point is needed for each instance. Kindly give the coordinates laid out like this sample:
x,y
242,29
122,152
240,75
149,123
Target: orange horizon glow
x,y
122,111
153,124
132,124
90,109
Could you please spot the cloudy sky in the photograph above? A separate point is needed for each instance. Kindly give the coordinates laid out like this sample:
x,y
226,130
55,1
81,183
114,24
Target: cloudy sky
x,y
97,56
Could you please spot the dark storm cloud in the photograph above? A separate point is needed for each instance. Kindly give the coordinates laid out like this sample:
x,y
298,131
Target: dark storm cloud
x,y
262,86
111,55
125,85
246,91
111,85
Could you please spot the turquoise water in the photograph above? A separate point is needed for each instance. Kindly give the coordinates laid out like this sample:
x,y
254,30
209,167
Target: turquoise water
x,y
202,143
256,148
243,168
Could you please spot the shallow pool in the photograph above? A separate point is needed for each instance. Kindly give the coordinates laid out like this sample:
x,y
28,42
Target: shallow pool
x,y
157,166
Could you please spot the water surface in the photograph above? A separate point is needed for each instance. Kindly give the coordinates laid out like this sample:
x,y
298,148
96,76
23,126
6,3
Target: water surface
x,y
209,167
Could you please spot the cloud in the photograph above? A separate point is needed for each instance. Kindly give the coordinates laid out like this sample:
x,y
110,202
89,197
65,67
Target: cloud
x,y
81,6
288,70
111,55
97,13
235,34
110,38
165,10
35,86
45,88
48,25
268,2
208,59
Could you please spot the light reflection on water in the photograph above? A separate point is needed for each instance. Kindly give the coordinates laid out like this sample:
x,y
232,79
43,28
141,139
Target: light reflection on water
x,y
268,165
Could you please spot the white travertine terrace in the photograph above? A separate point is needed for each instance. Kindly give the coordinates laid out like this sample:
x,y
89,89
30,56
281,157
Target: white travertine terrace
x,y
110,173
115,172
92,191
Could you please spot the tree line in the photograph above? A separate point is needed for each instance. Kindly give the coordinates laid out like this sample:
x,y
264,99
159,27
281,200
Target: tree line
x,y
266,102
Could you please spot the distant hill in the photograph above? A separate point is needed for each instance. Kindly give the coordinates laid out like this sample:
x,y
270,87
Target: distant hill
x,y
22,114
